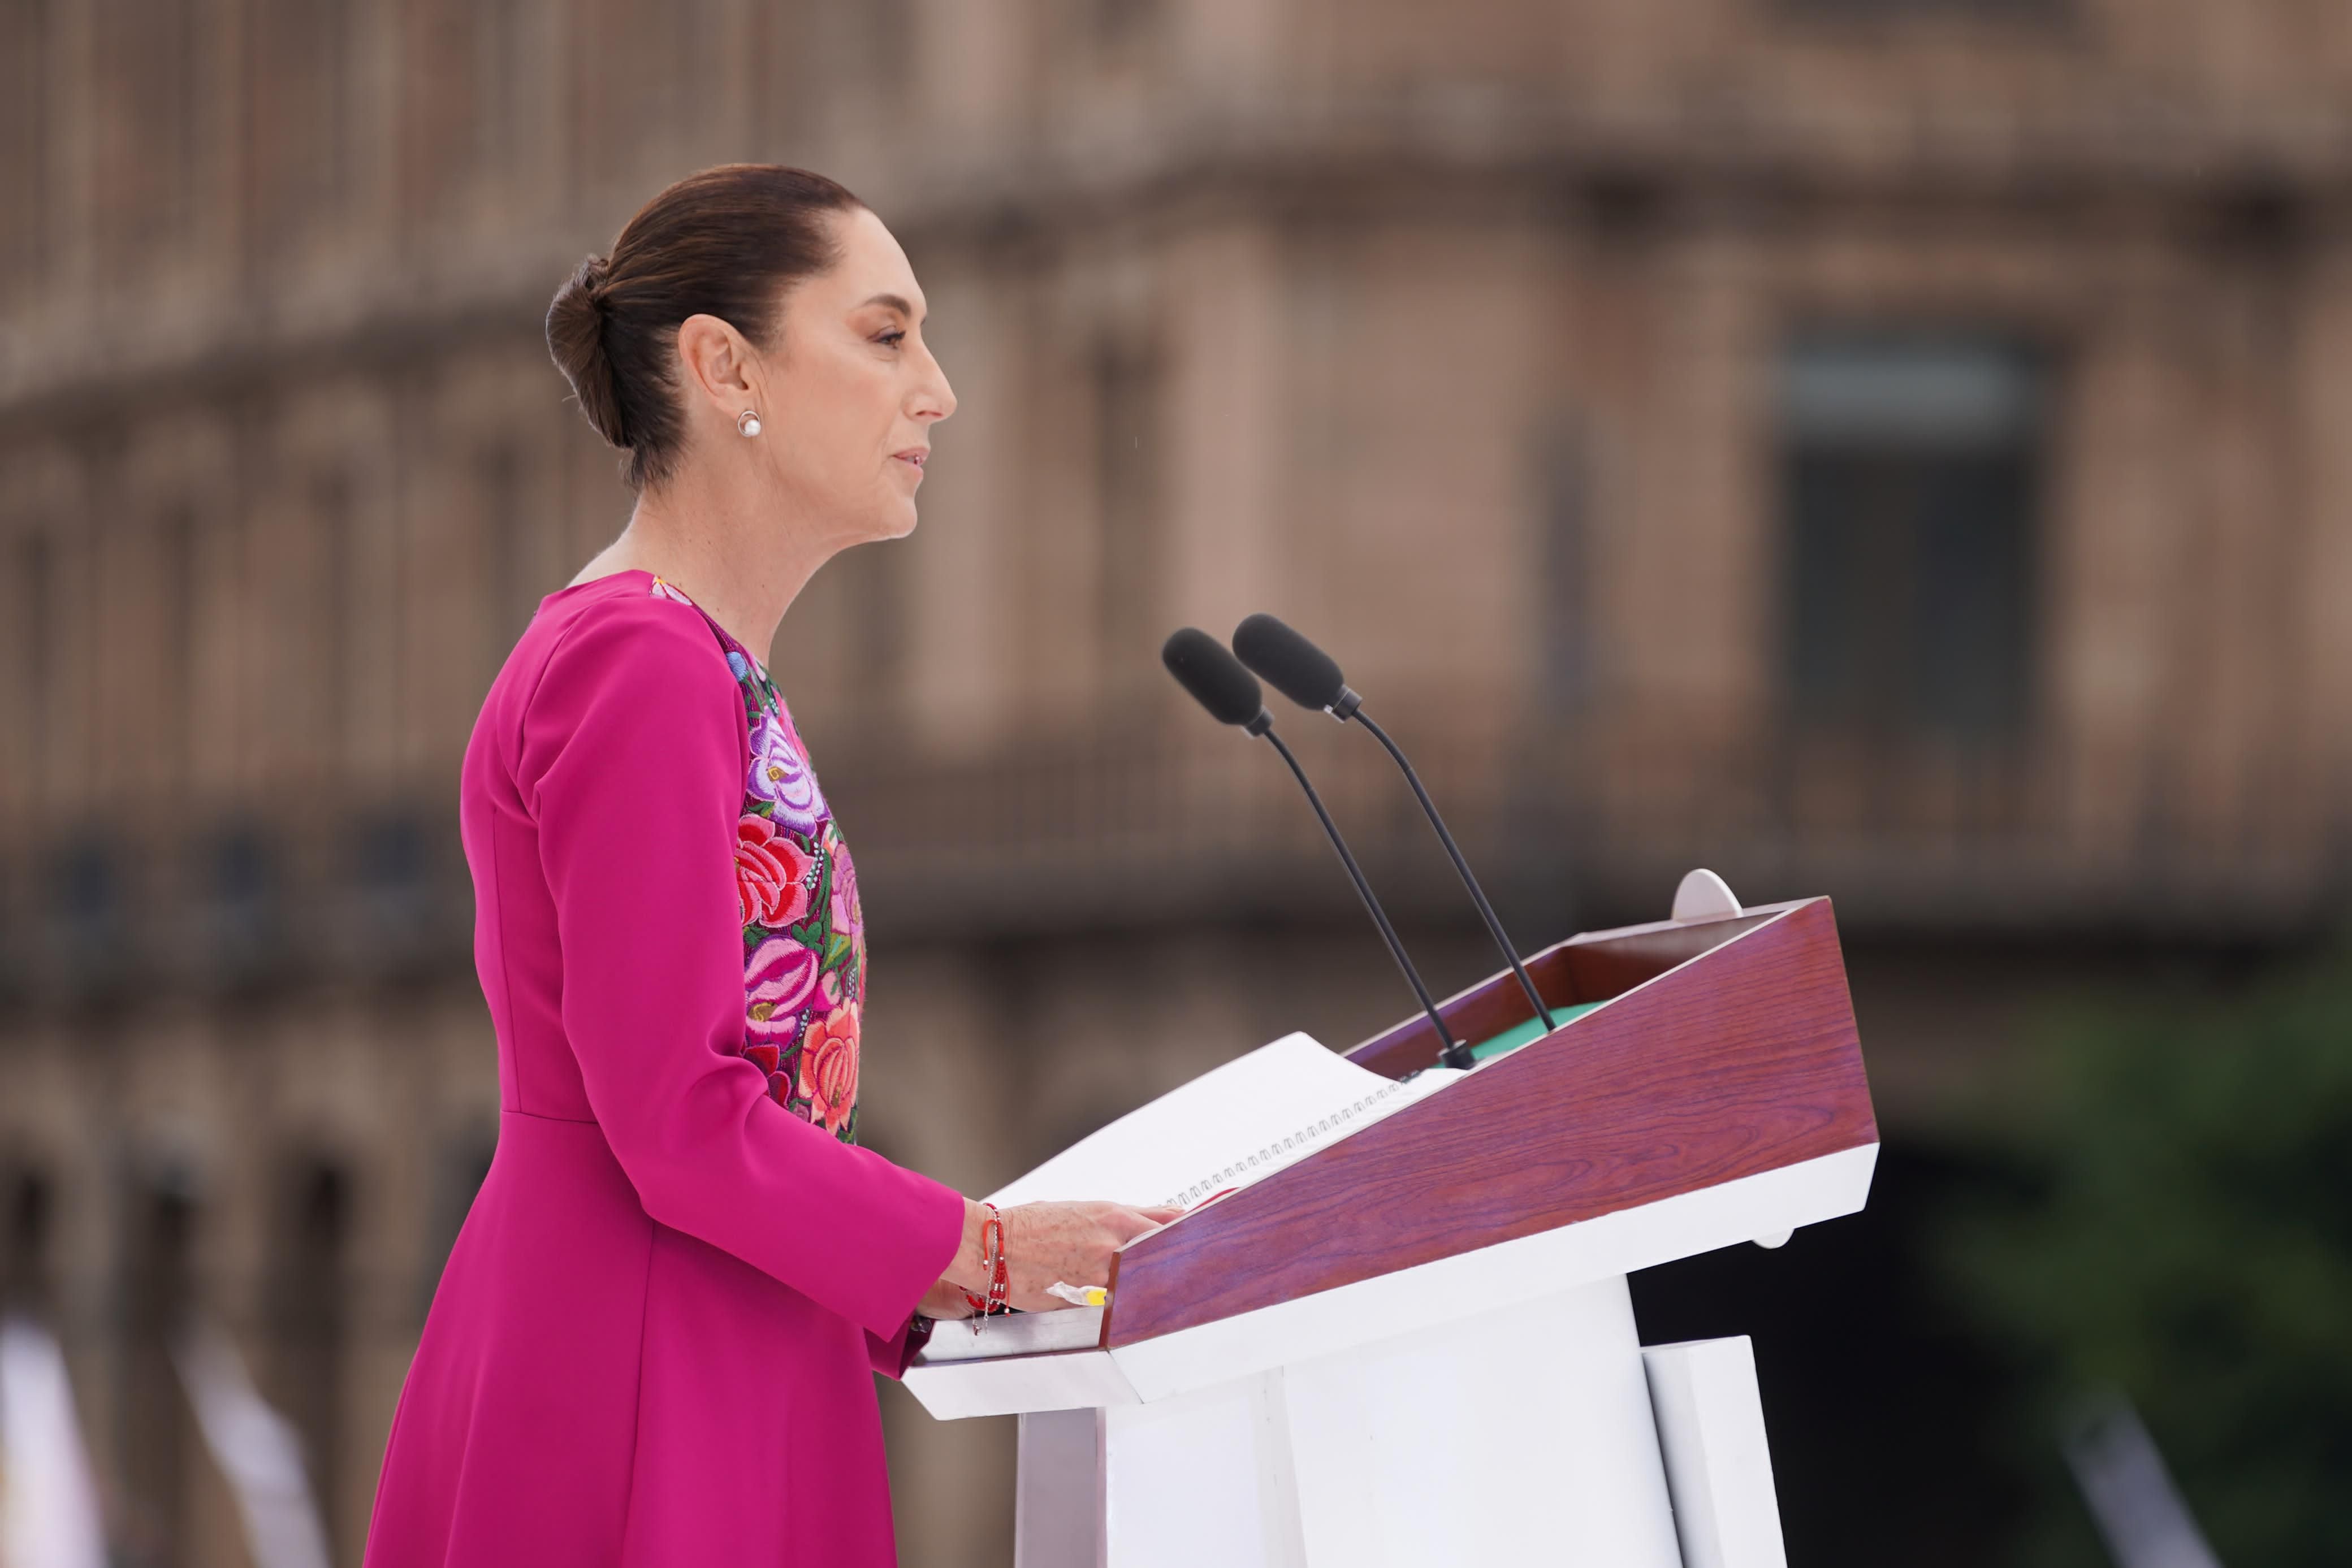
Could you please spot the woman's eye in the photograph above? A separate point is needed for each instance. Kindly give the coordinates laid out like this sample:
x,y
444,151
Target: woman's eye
x,y
891,339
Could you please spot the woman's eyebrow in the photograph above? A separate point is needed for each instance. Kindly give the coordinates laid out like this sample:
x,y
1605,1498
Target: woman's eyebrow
x,y
891,301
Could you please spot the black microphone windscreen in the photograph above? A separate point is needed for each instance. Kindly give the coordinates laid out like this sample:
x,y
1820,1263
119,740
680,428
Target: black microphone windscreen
x,y
1202,667
1290,664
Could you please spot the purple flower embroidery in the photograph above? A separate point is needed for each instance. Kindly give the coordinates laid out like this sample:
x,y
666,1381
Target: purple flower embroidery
x,y
778,981
781,776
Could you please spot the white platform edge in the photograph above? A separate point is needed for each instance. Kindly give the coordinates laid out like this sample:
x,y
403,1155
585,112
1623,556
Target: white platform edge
x,y
1019,1386
1410,1301
1710,1420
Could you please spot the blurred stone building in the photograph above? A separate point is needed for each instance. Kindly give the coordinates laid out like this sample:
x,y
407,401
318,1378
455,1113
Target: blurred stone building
x,y
1899,449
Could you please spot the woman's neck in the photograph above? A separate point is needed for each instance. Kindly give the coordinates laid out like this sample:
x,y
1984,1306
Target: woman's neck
x,y
742,568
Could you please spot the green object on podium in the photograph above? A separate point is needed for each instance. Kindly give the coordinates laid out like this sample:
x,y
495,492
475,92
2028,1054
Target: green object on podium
x,y
1518,1035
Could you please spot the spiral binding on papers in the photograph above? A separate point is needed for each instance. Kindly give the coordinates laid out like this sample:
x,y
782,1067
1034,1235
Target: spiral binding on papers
x,y
1291,1145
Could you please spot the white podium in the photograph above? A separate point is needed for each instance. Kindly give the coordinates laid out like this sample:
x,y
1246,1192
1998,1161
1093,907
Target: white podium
x,y
1414,1346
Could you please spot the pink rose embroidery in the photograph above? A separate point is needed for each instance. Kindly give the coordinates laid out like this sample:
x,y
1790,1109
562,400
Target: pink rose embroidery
x,y
777,984
771,874
828,1076
848,920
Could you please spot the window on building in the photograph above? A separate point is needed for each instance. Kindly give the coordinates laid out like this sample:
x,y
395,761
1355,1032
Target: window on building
x,y
14,962
1908,476
24,1248
85,915
510,540
642,80
1562,500
157,1442
394,909
499,91
146,118
241,911
28,632
458,1177
1127,387
295,117
883,38
25,28
1122,24
333,705
309,1318
175,678
463,94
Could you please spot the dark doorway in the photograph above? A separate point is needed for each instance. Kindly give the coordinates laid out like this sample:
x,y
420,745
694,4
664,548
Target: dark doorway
x,y
1883,1408
158,1429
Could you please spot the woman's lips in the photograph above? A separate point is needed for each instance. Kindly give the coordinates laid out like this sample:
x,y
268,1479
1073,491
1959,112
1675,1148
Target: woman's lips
x,y
912,459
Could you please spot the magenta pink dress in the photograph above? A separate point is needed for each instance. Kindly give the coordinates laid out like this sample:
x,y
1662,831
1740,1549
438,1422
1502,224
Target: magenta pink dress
x,y
654,1338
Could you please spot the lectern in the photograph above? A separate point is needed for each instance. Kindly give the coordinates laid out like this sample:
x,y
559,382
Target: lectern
x,y
1413,1346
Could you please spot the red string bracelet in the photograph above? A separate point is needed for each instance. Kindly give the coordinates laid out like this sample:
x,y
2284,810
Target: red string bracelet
x,y
992,1262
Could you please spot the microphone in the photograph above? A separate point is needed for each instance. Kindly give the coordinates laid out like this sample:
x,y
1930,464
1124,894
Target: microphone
x,y
1203,667
1310,677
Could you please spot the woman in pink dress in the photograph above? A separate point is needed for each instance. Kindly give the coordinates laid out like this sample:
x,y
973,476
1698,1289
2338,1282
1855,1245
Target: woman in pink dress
x,y
654,1340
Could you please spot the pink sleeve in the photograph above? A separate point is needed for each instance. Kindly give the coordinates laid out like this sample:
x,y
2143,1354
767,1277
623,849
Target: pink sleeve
x,y
631,761
889,1355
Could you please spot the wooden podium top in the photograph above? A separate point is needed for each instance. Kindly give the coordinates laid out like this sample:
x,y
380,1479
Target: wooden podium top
x,y
1726,1048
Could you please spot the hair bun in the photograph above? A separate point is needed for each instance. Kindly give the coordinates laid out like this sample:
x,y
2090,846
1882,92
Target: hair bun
x,y
575,339
724,243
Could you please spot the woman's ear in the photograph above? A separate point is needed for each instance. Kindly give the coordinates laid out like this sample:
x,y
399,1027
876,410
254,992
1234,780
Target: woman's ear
x,y
717,363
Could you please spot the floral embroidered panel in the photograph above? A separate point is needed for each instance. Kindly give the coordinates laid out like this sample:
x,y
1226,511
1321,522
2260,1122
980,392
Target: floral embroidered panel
x,y
803,934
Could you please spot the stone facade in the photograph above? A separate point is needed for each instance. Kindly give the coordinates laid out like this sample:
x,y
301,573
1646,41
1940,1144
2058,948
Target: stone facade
x,y
1480,341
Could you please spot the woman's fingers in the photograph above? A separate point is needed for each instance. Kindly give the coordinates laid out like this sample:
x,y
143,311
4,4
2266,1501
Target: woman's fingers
x,y
1130,1223
1069,1243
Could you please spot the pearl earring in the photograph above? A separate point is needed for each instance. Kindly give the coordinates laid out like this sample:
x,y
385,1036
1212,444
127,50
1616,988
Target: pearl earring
x,y
746,423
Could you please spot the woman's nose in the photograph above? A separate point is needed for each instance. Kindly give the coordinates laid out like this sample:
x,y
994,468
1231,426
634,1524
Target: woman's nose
x,y
938,398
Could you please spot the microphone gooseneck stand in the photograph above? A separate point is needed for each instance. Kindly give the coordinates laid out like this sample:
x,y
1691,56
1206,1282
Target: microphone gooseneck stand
x,y
1455,1053
1207,670
1311,678
1478,894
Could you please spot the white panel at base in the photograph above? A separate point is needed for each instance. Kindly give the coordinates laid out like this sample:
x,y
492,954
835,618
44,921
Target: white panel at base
x,y
1710,1421
1201,1478
1058,1499
1516,1436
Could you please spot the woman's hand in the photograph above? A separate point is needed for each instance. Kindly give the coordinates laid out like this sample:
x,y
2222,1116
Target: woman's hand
x,y
1045,1242
944,1300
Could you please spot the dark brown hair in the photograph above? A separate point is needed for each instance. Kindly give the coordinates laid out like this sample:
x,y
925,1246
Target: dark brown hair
x,y
725,243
